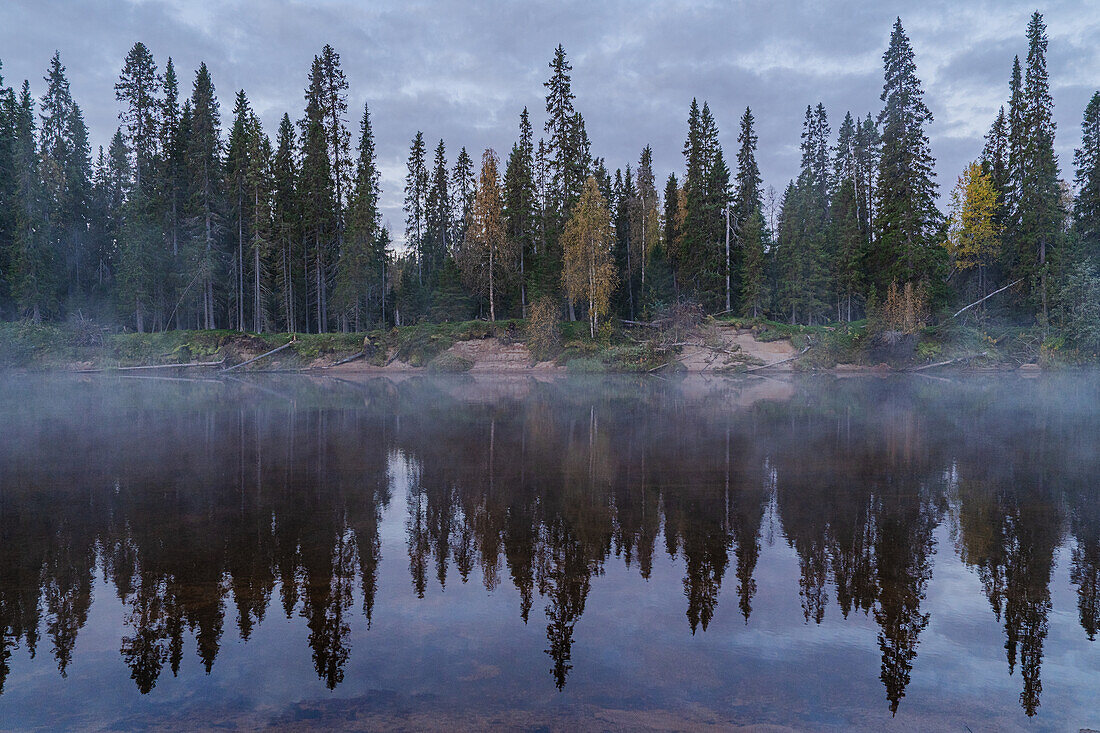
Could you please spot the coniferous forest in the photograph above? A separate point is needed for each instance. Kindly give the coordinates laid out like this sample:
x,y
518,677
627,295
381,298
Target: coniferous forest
x,y
192,216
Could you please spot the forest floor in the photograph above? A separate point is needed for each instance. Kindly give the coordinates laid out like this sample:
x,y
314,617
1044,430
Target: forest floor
x,y
723,345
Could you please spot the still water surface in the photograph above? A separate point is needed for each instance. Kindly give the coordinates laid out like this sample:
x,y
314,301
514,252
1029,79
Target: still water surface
x,y
613,553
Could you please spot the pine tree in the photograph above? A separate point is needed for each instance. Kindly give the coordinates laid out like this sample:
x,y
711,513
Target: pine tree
x,y
7,190
416,202
588,271
437,217
1039,213
1086,209
137,89
237,166
520,203
361,272
32,260
645,217
747,220
673,228
333,100
65,160
906,218
567,143
995,153
849,238
206,208
701,256
317,199
286,230
747,189
488,258
868,153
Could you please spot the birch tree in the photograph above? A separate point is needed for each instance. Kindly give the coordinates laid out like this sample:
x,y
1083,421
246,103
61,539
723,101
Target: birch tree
x,y
588,272
487,259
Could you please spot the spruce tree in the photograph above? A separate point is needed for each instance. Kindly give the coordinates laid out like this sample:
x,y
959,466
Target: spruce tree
x,y
906,218
673,229
645,218
521,205
317,199
32,260
416,203
237,166
65,160
1086,209
437,217
1039,218
463,190
333,100
7,191
290,285
137,90
206,207
747,188
361,271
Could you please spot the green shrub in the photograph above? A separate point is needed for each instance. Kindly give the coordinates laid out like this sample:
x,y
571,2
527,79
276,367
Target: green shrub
x,y
449,363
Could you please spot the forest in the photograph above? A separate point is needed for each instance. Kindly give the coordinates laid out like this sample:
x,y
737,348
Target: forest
x,y
180,223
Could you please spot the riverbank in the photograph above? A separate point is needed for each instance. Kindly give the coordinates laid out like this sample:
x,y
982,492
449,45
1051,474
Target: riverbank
x,y
722,345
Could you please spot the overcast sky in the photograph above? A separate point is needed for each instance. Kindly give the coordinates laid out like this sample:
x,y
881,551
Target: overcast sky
x,y
462,71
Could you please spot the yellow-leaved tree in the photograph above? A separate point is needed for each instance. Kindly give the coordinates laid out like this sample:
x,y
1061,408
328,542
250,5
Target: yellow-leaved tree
x,y
973,232
588,272
488,257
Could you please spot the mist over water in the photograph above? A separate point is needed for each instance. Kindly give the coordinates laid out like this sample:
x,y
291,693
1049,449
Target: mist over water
x,y
811,551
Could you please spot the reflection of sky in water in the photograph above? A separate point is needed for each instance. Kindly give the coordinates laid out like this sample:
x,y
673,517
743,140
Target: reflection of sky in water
x,y
465,652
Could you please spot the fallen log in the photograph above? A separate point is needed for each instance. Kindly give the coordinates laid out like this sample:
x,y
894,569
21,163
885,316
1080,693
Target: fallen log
x,y
968,357
1006,287
150,366
777,363
353,357
261,356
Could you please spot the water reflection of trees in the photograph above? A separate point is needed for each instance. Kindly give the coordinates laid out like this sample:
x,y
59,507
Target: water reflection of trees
x,y
213,507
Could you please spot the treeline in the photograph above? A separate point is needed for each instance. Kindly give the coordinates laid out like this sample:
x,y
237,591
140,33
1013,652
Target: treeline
x,y
178,226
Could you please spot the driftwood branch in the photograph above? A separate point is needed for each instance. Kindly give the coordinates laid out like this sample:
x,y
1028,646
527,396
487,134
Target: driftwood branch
x,y
261,356
980,300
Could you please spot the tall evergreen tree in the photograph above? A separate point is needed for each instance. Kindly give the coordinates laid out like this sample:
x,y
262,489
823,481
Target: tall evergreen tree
x,y
567,143
317,199
290,283
906,218
65,160
521,205
33,262
362,270
1086,209
206,207
463,190
332,86
7,190
416,202
1039,218
137,89
437,217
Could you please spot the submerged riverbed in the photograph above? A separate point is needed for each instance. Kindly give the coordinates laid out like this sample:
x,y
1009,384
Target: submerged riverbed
x,y
554,552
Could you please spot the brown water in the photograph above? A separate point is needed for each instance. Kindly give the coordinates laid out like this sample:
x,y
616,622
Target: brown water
x,y
907,553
